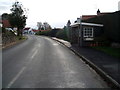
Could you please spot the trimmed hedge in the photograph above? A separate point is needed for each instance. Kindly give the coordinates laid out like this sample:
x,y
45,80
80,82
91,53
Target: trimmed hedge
x,y
59,33
62,34
46,33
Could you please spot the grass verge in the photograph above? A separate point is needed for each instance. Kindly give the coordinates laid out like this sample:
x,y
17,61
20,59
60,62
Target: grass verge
x,y
18,40
115,52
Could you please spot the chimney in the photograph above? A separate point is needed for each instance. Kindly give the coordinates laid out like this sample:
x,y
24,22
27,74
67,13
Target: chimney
x,y
78,20
98,12
68,23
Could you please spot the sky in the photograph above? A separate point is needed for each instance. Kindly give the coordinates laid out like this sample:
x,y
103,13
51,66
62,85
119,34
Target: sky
x,y
58,12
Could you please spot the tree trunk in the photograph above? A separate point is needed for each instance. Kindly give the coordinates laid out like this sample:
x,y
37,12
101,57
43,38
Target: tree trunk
x,y
18,31
21,32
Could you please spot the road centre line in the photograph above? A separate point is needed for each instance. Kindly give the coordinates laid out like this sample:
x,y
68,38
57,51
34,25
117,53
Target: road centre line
x,y
21,71
34,54
16,77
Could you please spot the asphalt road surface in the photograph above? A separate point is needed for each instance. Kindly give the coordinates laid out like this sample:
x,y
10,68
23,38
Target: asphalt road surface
x,y
41,62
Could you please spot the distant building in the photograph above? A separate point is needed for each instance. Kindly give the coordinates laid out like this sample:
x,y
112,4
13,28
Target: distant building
x,y
35,31
26,30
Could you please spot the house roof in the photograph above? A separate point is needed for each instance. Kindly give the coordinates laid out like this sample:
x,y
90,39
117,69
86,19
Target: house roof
x,y
85,17
103,13
35,30
88,24
6,23
27,28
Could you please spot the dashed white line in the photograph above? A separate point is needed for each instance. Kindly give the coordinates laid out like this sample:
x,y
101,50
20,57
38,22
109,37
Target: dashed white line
x,y
34,54
16,77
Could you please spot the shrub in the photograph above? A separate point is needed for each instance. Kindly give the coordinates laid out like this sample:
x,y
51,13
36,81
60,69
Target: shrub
x,y
62,34
46,33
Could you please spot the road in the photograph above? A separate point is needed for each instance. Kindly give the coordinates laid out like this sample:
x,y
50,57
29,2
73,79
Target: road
x,y
41,62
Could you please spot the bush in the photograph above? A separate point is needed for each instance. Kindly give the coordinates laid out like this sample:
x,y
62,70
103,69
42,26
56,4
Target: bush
x,y
46,33
62,34
59,33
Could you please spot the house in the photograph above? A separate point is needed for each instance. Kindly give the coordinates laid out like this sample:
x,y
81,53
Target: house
x,y
29,30
35,31
100,29
5,21
85,34
6,24
111,22
26,30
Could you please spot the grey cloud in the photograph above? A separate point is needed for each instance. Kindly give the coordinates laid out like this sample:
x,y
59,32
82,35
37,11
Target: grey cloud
x,y
4,7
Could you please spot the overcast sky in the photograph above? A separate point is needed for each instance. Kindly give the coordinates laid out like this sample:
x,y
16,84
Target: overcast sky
x,y
58,12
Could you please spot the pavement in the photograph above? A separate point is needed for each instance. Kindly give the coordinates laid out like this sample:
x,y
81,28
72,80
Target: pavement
x,y
104,64
41,62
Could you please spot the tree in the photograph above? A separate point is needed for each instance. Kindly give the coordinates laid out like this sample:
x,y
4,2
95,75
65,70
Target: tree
x,y
44,26
5,16
39,25
47,26
17,17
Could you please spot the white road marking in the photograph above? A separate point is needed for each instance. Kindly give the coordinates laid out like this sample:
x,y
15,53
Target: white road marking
x,y
34,54
21,71
16,77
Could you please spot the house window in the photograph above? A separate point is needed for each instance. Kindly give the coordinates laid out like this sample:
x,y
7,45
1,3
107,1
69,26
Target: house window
x,y
87,32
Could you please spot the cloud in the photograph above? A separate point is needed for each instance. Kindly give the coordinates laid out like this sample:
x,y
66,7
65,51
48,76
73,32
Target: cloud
x,y
3,7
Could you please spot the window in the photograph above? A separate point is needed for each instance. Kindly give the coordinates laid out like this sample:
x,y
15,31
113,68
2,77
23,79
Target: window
x,y
87,32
